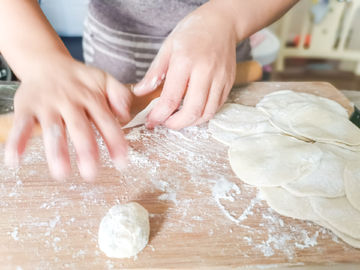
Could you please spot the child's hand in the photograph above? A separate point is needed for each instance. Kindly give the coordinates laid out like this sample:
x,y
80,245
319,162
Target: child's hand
x,y
199,54
67,94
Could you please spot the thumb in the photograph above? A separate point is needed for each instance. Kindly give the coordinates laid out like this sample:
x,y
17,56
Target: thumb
x,y
156,72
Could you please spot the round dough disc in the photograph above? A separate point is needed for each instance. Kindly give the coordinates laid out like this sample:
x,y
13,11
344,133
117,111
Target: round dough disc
x,y
272,159
222,135
288,204
320,125
339,213
124,231
326,180
346,238
352,183
239,118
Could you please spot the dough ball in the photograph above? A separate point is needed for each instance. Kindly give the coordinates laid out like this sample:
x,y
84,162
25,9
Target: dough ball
x,y
272,159
124,231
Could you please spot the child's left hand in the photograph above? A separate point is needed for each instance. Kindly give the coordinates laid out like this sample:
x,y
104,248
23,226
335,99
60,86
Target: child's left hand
x,y
199,54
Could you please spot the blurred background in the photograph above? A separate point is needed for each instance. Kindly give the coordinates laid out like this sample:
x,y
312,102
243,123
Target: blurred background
x,y
318,40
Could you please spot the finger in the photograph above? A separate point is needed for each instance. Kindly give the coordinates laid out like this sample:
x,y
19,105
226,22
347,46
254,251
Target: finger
x,y
82,136
17,138
194,103
212,104
56,147
225,93
173,91
110,130
119,98
156,73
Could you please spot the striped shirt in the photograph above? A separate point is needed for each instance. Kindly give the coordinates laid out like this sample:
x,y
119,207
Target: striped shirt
x,y
122,37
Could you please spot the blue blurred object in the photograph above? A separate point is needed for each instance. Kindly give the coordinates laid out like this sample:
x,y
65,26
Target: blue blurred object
x,y
319,10
66,16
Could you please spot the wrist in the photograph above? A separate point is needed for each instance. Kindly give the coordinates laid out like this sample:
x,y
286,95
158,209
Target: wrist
x,y
39,64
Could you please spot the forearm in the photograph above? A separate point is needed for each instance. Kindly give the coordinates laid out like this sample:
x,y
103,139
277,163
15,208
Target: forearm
x,y
26,37
250,16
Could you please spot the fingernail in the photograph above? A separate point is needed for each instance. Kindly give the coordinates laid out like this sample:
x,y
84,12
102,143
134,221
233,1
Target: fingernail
x,y
140,86
88,169
155,82
163,77
121,162
58,171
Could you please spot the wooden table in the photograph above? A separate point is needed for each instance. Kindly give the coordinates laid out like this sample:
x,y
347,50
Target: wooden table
x,y
183,178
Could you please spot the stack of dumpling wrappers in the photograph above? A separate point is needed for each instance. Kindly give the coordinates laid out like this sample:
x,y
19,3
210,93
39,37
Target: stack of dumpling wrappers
x,y
302,152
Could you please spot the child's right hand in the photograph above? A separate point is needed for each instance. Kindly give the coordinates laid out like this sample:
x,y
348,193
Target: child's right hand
x,y
63,93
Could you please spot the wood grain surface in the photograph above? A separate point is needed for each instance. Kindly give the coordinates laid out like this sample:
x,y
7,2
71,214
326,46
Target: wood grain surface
x,y
198,218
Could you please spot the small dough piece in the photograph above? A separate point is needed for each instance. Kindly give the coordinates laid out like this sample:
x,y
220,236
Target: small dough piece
x,y
272,159
140,118
320,125
346,238
326,180
352,183
124,231
339,213
288,204
241,119
222,135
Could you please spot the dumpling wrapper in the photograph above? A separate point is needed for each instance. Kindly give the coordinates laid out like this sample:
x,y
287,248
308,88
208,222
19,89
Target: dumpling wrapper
x,y
352,183
288,204
339,213
324,126
272,159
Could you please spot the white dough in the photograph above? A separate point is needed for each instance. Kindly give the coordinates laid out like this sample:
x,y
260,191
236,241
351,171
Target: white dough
x,y
281,100
288,204
321,125
339,213
352,183
124,231
272,159
282,105
327,180
241,119
222,135
140,118
346,238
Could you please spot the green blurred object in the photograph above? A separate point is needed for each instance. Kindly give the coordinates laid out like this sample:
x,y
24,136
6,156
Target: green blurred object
x,y
7,92
355,117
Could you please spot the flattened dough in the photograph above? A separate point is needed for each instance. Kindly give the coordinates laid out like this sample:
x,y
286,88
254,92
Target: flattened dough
x,y
352,183
326,180
288,204
272,159
282,105
280,100
320,125
140,118
346,238
241,119
339,213
222,135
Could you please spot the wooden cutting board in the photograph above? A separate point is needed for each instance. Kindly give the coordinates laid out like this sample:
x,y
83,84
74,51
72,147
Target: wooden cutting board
x,y
202,216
